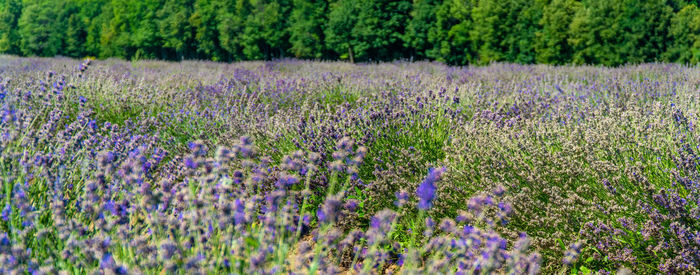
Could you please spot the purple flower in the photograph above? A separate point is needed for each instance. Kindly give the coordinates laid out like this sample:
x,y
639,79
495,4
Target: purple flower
x,y
190,163
329,211
426,190
401,198
258,259
168,249
6,212
4,241
499,190
572,253
429,223
468,229
447,225
351,205
402,258
287,180
107,262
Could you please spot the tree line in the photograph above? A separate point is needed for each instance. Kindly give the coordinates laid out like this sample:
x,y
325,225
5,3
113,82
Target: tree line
x,y
607,32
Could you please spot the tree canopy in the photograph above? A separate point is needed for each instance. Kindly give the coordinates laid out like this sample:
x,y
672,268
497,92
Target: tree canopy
x,y
607,32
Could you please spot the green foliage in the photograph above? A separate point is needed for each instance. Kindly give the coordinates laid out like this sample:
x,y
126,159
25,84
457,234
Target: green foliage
x,y
39,29
341,19
265,34
551,42
685,33
205,22
232,23
451,37
132,31
10,12
645,27
504,32
379,29
422,23
306,28
596,34
368,29
175,28
489,30
607,32
75,36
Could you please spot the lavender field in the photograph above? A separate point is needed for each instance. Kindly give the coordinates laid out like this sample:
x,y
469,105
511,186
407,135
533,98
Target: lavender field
x,y
297,167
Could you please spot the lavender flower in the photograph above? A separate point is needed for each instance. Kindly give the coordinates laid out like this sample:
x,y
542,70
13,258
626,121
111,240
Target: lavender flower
x,y
426,190
110,162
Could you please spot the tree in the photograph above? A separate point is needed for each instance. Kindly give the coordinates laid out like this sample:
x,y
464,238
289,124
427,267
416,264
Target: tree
x,y
265,31
367,29
451,36
306,28
114,37
38,30
96,14
380,28
76,36
146,43
10,13
685,36
232,19
607,32
175,29
645,27
505,31
205,23
551,43
341,21
489,30
132,31
422,23
524,17
595,33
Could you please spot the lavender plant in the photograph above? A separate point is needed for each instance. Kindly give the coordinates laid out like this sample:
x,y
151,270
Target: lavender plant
x,y
321,167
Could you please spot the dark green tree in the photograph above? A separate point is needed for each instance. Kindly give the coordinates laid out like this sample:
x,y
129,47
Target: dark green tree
x,y
608,32
95,15
114,35
10,12
551,43
205,22
306,28
132,31
685,36
76,36
367,29
380,28
146,42
451,37
39,29
175,29
265,33
231,25
422,23
489,30
645,27
595,33
339,29
505,30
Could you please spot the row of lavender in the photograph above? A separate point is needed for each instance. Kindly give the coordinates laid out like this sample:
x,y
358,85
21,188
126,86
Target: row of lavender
x,y
302,167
